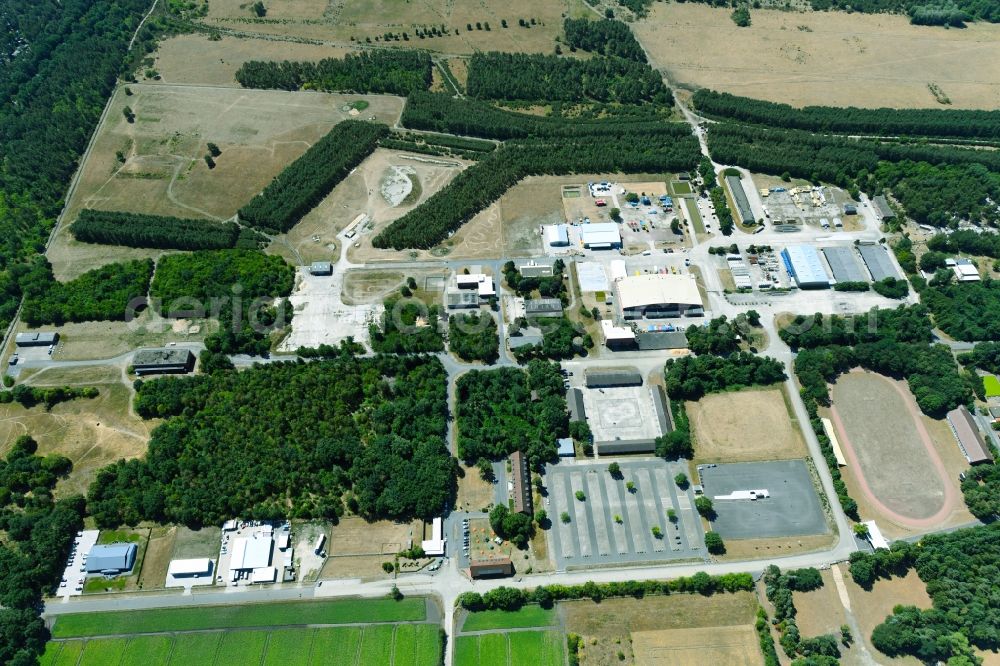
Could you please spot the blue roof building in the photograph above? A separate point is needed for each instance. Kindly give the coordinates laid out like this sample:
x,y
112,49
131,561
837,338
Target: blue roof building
x,y
805,266
111,559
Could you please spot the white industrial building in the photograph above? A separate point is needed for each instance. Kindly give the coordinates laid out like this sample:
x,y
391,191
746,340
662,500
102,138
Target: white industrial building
x,y
804,265
966,271
658,295
253,554
434,547
600,236
556,235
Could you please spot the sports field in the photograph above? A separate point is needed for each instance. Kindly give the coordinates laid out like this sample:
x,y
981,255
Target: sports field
x,y
745,426
832,58
246,615
373,645
992,386
538,648
890,451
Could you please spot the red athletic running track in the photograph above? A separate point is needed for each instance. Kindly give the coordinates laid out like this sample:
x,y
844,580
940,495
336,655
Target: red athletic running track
x,y
950,493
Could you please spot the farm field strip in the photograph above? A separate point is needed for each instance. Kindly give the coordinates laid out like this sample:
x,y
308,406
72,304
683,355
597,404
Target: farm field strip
x,y
528,616
540,648
231,617
373,645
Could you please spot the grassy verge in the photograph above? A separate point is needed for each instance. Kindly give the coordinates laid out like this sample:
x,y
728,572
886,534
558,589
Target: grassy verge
x,y
528,616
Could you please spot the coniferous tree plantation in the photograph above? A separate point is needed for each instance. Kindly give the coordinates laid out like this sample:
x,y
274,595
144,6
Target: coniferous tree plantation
x,y
102,294
608,38
392,71
850,120
438,112
541,78
157,231
508,409
304,183
288,440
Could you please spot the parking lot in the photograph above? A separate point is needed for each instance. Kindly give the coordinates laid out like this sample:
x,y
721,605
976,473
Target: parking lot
x,y
613,525
793,508
74,576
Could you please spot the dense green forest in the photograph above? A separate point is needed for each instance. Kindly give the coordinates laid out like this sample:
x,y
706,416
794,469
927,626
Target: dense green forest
x,y
608,38
408,326
392,71
981,490
108,293
545,78
850,120
307,180
438,112
943,194
965,310
38,531
434,144
561,339
691,377
29,396
508,409
962,577
52,95
985,355
473,336
921,12
235,286
157,231
368,429
968,241
481,184
553,286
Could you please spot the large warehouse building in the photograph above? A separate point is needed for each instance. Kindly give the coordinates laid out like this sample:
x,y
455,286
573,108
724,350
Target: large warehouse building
x,y
877,260
658,295
600,236
805,267
844,264
740,198
111,559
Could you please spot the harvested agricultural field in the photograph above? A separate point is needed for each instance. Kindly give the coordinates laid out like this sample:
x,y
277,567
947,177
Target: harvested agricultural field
x,y
745,426
720,646
654,622
894,461
806,58
154,165
344,21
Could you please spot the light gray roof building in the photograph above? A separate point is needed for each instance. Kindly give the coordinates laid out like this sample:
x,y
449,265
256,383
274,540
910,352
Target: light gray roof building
x,y
574,400
740,199
536,307
115,558
321,268
461,299
804,265
619,446
883,208
964,427
566,449
877,260
844,264
37,339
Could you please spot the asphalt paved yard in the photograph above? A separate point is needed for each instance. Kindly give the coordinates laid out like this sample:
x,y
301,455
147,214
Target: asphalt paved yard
x,y
593,537
793,509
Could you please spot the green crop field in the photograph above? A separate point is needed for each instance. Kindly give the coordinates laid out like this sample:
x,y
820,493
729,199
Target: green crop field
x,y
528,616
539,648
233,617
680,187
992,386
372,645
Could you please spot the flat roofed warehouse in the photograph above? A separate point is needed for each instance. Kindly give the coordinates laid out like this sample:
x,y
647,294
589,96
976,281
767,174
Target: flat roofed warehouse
x,y
882,208
490,568
612,378
877,260
963,426
111,559
556,235
740,198
804,265
163,360
601,236
844,264
537,307
658,295
251,552
37,339
196,567
521,478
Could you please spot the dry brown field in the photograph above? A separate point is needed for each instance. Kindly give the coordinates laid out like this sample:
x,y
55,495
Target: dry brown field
x,y
755,549
720,646
473,493
80,341
819,611
345,21
260,132
355,536
91,433
157,558
648,625
832,58
744,426
193,58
